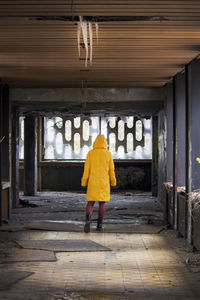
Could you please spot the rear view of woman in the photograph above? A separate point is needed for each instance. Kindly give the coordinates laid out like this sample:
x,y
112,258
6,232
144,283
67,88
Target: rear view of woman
x,y
99,174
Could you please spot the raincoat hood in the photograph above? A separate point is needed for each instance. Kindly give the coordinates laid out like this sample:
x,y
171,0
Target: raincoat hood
x,y
100,142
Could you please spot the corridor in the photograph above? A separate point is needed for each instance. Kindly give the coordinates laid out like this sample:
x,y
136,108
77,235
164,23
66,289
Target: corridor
x,y
71,71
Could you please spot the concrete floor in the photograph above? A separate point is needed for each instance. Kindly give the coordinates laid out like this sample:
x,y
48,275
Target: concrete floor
x,y
139,266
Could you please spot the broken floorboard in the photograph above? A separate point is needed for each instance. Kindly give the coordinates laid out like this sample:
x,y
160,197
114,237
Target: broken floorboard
x,y
63,245
10,277
108,228
23,255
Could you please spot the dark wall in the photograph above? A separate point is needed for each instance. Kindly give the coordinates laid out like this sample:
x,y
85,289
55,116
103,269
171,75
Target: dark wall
x,y
130,175
195,98
169,111
58,178
181,123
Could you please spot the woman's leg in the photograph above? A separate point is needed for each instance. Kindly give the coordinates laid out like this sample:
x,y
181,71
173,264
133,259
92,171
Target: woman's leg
x,y
89,211
102,209
89,208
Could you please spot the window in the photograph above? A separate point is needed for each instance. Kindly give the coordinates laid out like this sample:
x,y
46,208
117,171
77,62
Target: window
x,y
71,138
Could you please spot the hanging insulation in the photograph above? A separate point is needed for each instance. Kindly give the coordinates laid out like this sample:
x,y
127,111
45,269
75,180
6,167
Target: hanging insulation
x,y
85,39
82,26
79,38
90,34
97,32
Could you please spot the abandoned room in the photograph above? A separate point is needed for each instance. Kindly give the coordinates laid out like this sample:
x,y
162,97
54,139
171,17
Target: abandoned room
x,y
71,70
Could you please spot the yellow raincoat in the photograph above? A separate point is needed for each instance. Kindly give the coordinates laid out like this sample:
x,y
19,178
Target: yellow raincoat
x,y
99,171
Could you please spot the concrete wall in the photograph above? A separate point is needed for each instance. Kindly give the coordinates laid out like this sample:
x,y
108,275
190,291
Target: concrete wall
x,y
102,102
86,95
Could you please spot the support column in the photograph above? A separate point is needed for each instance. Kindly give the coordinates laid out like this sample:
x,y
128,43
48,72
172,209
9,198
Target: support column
x,y
181,120
188,179
170,132
1,140
175,220
30,156
4,152
15,158
161,155
154,173
168,208
193,91
180,152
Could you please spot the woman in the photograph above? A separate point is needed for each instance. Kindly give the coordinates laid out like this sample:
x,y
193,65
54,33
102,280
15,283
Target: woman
x,y
99,174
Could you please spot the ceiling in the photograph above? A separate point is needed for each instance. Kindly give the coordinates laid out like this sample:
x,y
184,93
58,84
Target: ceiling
x,y
141,43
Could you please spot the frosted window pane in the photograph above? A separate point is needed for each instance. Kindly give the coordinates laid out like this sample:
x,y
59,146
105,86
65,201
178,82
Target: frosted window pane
x,y
148,144
104,127
50,131
138,130
121,130
95,122
147,123
77,143
59,122
22,130
112,122
129,142
129,122
21,138
77,122
68,152
59,143
68,130
50,152
21,152
138,152
85,151
112,142
120,152
86,130
94,137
